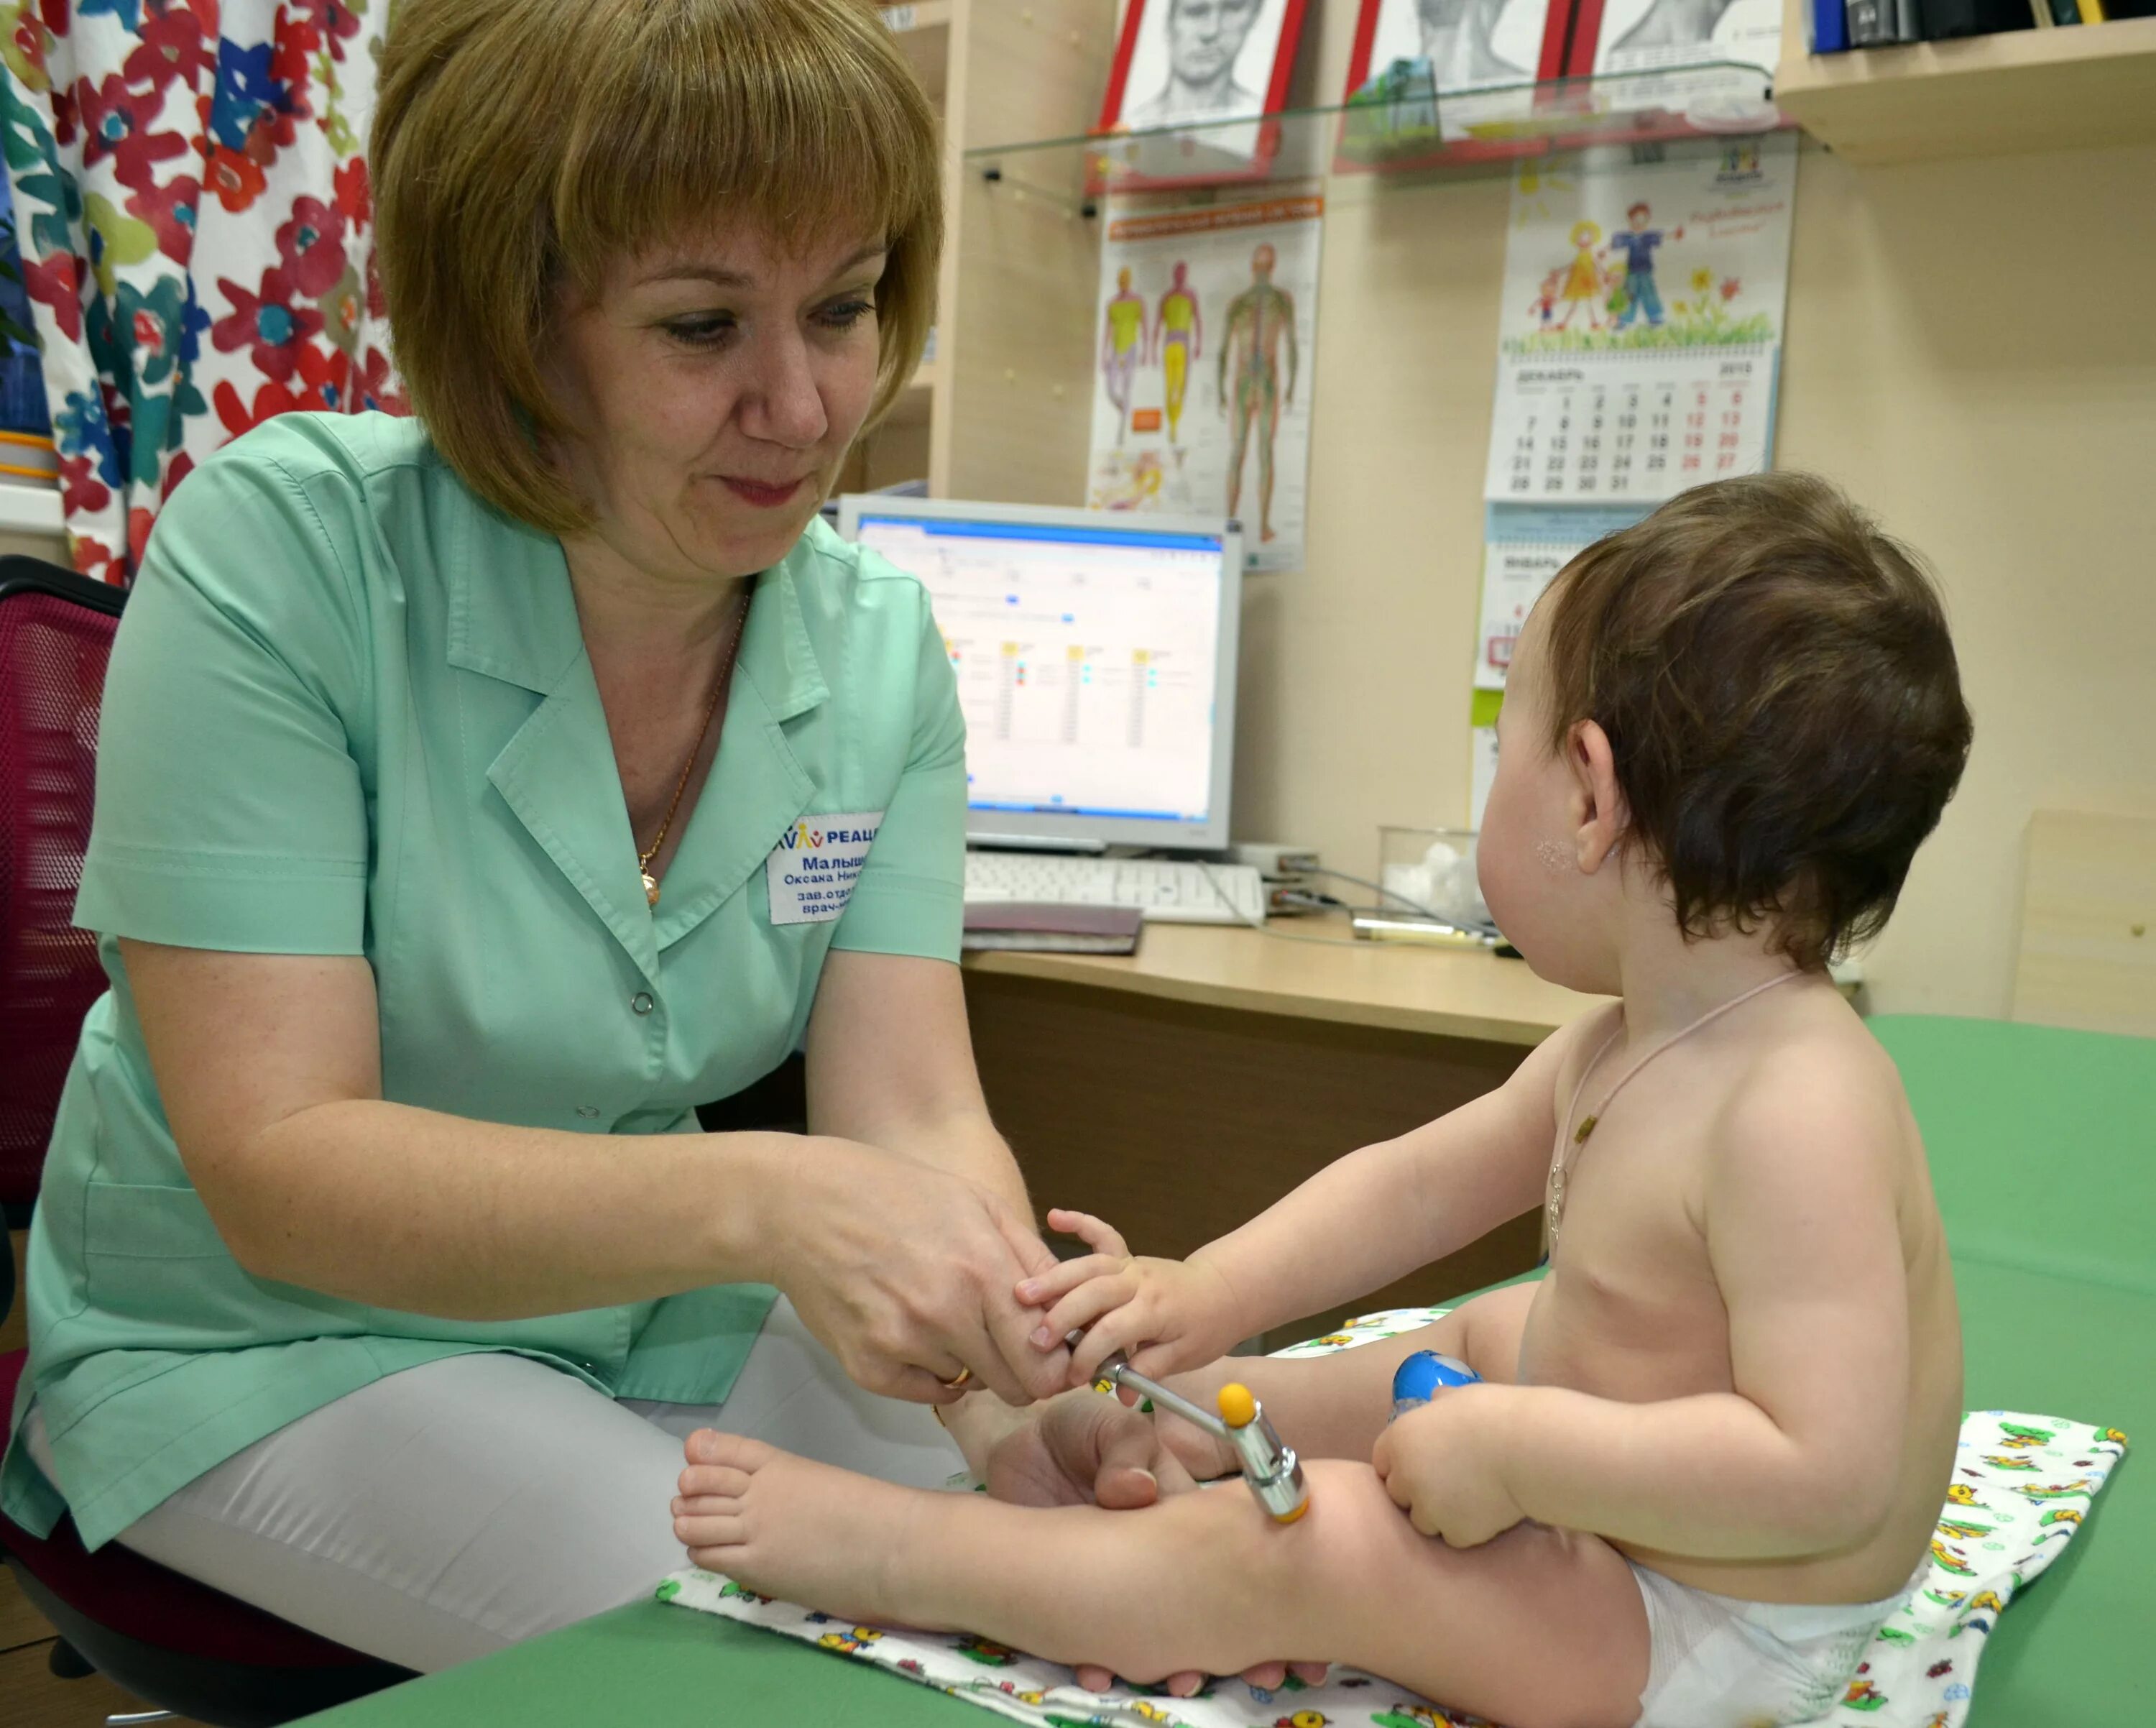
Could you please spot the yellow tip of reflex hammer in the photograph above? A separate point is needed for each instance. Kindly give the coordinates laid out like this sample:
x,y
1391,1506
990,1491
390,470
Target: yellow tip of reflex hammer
x,y
1238,1408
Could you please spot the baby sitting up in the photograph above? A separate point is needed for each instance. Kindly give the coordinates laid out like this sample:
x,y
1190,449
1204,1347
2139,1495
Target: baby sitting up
x,y
1712,1443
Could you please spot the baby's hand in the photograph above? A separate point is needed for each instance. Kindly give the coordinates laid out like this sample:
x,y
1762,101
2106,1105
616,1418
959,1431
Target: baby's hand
x,y
1164,1314
1442,1465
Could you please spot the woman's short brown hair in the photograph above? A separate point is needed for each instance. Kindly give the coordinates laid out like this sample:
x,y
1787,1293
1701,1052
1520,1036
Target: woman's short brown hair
x,y
519,146
1782,702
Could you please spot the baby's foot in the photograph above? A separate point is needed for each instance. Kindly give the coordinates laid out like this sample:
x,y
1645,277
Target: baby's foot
x,y
786,1527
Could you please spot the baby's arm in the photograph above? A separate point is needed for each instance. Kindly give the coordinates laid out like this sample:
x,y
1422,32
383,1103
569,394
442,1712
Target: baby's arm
x,y
1364,1220
1802,1457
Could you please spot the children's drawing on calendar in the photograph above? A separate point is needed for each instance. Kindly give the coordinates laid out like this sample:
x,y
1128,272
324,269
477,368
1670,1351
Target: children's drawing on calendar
x,y
1544,304
1635,292
1617,284
1640,331
1581,283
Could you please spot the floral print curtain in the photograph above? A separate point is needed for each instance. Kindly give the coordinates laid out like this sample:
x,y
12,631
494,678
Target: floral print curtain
x,y
196,233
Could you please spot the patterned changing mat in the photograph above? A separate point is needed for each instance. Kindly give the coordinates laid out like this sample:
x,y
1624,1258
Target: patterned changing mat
x,y
2023,1485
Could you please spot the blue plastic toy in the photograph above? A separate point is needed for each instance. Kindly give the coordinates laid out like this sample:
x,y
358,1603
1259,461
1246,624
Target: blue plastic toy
x,y
1423,1376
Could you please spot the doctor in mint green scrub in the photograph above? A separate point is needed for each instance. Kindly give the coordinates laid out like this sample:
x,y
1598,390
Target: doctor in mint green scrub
x,y
481,793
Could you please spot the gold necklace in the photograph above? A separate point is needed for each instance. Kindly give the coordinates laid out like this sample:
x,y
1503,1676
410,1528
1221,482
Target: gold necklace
x,y
726,676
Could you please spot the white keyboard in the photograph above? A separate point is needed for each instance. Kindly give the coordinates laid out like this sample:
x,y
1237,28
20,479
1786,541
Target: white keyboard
x,y
1166,891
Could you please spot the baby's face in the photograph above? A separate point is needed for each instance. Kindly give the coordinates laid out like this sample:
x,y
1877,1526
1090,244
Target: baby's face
x,y
1526,855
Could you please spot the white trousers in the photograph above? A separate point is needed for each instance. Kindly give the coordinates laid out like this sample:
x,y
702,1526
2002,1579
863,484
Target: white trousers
x,y
454,1508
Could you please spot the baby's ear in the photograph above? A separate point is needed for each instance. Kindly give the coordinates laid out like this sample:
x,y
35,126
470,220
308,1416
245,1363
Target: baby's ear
x,y
1597,798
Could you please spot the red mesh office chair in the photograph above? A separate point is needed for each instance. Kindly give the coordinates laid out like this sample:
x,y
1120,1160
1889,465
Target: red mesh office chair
x,y
179,1644
53,649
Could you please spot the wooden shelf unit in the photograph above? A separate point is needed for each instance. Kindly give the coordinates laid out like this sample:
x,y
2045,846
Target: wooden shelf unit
x,y
897,449
2009,94
1039,65
924,37
1014,322
918,401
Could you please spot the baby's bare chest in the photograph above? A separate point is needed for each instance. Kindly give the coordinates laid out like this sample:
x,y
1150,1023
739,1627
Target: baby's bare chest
x,y
1630,1307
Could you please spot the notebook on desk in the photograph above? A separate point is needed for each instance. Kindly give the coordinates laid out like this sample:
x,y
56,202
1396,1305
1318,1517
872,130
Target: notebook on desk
x,y
1052,927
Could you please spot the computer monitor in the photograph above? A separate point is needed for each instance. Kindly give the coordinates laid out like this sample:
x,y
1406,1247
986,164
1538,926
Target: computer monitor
x,y
1095,660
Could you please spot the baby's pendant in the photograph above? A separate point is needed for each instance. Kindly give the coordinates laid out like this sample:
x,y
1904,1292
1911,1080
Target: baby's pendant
x,y
651,889
1559,1175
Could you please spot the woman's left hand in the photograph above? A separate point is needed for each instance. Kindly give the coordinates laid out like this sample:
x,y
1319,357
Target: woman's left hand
x,y
908,1225
904,1272
1444,1465
1083,1449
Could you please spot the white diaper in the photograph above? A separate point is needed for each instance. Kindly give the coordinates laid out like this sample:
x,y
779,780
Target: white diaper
x,y
1718,1662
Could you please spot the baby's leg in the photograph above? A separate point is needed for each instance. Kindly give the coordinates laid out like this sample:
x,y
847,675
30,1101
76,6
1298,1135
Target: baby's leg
x,y
1336,1405
1538,1629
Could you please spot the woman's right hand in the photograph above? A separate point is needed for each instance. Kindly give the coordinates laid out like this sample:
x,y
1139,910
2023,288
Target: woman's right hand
x,y
905,1273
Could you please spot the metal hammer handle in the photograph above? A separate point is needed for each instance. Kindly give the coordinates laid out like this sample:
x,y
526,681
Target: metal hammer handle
x,y
1121,1373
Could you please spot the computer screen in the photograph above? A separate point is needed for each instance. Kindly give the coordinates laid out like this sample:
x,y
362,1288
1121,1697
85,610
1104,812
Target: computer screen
x,y
1095,660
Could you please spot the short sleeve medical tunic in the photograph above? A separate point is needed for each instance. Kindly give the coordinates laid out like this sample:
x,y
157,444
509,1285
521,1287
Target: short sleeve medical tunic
x,y
349,712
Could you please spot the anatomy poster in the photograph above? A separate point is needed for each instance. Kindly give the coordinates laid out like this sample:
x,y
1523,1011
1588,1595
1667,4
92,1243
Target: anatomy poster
x,y
1204,349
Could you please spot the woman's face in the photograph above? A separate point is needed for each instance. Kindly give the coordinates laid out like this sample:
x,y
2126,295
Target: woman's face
x,y
713,387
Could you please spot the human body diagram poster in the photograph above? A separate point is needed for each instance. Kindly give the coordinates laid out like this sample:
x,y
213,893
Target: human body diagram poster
x,y
1204,351
1639,345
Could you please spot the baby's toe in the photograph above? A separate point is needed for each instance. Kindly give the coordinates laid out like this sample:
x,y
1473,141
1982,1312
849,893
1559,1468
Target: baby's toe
x,y
708,1447
714,1559
714,1479
709,1531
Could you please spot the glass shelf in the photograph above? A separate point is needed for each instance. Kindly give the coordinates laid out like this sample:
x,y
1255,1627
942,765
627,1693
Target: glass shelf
x,y
1482,131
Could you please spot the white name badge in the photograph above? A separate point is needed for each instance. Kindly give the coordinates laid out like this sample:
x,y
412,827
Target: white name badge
x,y
812,871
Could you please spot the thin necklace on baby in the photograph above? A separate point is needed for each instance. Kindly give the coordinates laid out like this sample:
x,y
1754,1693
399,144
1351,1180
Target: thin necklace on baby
x,y
1565,1152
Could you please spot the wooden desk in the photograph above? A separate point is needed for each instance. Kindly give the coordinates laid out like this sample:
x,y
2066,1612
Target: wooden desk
x,y
1180,1090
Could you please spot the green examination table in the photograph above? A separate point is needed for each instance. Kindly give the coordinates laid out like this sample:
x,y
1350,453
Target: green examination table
x,y
2043,1148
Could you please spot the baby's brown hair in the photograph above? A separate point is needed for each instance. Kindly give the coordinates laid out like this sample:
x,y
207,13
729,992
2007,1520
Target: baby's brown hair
x,y
1783,704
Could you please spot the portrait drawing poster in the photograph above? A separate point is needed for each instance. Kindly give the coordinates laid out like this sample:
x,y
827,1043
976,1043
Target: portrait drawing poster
x,y
1209,70
1657,35
1470,44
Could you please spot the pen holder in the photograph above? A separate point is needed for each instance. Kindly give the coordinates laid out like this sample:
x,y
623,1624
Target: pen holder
x,y
1423,1376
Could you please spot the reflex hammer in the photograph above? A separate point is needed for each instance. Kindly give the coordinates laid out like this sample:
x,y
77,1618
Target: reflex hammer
x,y
1268,1463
